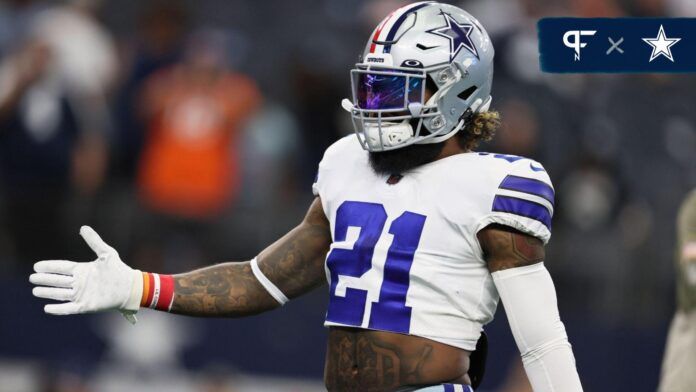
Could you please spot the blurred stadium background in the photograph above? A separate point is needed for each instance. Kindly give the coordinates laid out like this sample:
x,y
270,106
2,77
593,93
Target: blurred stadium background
x,y
188,132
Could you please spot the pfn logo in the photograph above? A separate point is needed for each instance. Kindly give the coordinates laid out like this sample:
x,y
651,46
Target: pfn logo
x,y
576,43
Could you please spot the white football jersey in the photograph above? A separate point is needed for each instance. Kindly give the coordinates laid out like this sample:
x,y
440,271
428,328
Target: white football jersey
x,y
405,257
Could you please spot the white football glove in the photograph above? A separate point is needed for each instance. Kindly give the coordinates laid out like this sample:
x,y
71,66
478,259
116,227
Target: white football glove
x,y
106,283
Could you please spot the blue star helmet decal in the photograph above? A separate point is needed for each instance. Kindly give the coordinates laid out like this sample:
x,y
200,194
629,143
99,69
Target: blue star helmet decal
x,y
459,35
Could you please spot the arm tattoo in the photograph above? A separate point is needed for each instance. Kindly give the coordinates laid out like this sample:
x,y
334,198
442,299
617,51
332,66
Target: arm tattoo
x,y
294,263
505,247
228,289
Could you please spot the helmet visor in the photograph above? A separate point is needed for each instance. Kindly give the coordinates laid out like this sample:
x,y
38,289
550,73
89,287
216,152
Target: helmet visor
x,y
386,90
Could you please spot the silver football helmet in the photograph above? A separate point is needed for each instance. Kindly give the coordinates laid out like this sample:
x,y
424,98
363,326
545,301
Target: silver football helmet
x,y
422,43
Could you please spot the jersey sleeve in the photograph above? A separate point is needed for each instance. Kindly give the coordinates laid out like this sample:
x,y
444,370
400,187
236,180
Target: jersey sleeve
x,y
523,200
315,184
338,155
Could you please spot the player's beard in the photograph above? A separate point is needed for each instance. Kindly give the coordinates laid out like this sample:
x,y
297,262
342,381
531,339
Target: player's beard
x,y
404,159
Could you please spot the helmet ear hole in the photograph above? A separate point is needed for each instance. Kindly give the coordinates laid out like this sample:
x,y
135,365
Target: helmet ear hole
x,y
464,95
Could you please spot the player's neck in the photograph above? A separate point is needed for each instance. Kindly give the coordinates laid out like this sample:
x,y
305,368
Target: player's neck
x,y
451,147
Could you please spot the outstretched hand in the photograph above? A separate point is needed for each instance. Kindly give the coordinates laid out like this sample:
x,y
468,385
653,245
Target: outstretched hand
x,y
106,283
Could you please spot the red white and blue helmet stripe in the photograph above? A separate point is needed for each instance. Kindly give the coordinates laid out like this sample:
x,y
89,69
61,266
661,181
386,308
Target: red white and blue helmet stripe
x,y
386,30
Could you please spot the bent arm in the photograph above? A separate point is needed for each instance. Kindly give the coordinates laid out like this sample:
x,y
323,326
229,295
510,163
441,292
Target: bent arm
x,y
294,264
528,294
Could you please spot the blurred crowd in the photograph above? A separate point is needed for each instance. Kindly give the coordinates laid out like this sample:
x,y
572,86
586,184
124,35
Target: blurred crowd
x,y
189,132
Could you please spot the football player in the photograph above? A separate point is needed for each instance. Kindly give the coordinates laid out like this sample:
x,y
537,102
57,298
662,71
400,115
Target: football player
x,y
680,354
417,235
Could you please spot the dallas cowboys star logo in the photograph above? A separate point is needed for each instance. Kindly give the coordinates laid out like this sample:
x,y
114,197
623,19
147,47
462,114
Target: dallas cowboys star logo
x,y
459,35
661,45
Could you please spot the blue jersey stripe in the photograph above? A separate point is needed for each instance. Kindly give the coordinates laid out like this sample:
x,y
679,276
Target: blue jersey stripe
x,y
448,387
397,24
528,185
521,207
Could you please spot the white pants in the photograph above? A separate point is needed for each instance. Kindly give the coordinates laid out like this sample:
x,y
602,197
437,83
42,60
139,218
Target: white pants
x,y
446,388
679,363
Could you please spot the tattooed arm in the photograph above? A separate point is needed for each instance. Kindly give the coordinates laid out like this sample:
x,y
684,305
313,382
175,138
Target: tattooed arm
x,y
294,263
505,247
526,289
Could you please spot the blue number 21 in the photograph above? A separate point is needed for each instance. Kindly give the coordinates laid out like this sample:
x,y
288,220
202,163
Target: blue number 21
x,y
390,311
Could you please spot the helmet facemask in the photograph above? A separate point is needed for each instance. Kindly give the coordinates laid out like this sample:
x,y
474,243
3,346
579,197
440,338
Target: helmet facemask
x,y
389,110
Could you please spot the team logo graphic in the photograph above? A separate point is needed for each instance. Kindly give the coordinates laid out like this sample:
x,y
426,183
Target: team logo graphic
x,y
576,44
459,35
661,45
616,45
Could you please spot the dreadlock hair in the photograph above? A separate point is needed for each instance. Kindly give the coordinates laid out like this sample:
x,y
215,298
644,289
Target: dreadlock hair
x,y
480,127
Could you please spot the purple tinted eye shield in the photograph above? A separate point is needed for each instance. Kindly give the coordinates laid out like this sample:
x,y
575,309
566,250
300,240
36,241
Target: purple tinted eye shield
x,y
376,91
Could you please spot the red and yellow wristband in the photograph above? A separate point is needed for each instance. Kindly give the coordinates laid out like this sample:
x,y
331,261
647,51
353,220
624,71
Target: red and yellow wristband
x,y
158,291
